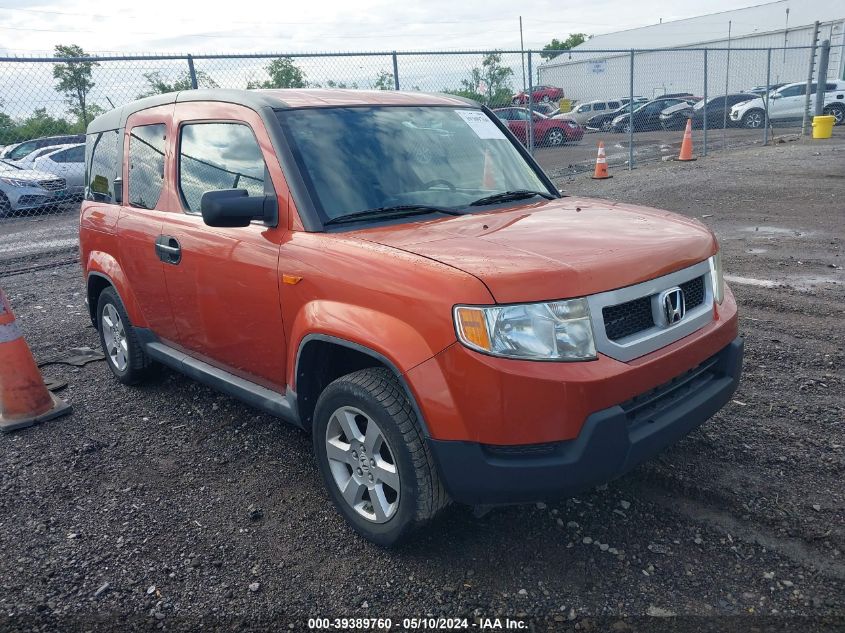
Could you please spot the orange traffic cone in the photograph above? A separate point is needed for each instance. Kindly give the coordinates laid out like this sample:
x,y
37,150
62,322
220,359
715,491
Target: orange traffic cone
x,y
686,144
601,165
24,400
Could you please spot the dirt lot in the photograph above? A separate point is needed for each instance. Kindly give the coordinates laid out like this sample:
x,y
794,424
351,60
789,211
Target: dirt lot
x,y
172,506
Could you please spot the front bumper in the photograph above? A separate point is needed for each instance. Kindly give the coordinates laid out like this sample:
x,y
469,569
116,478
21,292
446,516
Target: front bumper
x,y
25,198
611,442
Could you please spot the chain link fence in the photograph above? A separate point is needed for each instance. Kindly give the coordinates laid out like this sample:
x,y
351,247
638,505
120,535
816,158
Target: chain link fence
x,y
636,102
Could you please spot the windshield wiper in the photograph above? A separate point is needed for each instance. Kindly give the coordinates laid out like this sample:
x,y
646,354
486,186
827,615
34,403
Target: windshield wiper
x,y
3,160
397,211
507,196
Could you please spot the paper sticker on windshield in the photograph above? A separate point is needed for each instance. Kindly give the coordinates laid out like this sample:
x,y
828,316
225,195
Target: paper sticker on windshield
x,y
480,124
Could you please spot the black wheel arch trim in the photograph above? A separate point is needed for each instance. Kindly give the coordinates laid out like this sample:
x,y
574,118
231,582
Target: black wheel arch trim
x,y
92,309
327,338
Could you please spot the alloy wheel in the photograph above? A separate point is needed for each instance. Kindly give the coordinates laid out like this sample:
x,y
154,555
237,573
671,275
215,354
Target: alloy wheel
x,y
555,137
362,464
114,335
753,120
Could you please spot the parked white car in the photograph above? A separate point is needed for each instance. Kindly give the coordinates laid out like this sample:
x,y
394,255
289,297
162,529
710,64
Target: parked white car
x,y
787,102
29,189
66,161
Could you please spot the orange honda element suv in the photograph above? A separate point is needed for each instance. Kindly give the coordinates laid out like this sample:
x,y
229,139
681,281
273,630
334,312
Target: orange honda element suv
x,y
394,274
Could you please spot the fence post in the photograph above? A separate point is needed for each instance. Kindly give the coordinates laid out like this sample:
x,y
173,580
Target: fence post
x,y
631,115
704,107
395,71
766,97
821,77
809,78
192,72
530,134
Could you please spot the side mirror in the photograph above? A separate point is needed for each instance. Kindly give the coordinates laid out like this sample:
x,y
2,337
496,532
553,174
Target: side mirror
x,y
775,95
235,207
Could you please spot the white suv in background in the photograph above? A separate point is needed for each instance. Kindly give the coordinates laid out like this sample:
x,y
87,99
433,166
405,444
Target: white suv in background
x,y
787,102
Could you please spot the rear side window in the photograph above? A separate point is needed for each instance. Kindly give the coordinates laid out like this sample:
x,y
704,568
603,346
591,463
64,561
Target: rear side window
x,y
613,105
216,156
102,166
72,155
600,106
146,165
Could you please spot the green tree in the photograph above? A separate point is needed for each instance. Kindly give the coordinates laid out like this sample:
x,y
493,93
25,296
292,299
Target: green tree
x,y
331,83
556,45
158,85
40,123
384,81
489,83
73,79
284,73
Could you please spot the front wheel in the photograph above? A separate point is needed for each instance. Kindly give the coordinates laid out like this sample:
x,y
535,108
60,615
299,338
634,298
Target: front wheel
x,y
373,458
754,119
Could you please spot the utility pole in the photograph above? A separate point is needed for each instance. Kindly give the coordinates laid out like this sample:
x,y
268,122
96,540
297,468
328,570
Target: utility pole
x,y
821,77
810,78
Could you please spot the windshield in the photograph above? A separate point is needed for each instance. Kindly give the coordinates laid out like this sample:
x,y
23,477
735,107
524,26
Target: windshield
x,y
360,158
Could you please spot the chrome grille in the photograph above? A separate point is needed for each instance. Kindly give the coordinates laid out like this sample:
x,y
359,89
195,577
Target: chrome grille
x,y
624,319
52,185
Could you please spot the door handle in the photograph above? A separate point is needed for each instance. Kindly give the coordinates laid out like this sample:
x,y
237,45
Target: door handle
x,y
168,249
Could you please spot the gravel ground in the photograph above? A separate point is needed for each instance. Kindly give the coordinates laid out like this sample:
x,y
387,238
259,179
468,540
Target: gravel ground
x,y
171,506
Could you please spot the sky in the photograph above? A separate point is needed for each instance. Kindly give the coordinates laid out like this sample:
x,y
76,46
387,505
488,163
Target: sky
x,y
30,27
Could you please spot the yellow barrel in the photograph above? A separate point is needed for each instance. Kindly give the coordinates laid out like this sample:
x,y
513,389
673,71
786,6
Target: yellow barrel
x,y
565,105
823,126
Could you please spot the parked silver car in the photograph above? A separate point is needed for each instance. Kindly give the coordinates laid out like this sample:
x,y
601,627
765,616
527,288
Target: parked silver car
x,y
66,161
29,189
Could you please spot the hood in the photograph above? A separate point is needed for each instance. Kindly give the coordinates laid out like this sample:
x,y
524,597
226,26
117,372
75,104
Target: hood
x,y
26,174
556,249
751,103
678,107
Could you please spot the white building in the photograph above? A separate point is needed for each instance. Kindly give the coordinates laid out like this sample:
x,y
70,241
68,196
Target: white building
x,y
599,68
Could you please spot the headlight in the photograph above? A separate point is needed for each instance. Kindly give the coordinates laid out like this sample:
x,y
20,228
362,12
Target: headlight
x,y
716,278
15,182
560,330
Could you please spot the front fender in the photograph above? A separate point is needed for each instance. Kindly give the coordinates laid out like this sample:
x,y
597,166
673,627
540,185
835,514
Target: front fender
x,y
104,265
397,341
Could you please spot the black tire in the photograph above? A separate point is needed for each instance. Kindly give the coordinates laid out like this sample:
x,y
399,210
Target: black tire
x,y
836,111
377,393
138,365
754,119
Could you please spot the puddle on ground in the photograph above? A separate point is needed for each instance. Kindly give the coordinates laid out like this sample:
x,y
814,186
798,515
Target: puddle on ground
x,y
797,282
756,251
775,230
749,281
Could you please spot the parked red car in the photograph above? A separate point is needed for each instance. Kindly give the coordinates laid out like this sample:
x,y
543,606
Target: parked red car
x,y
539,93
547,131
